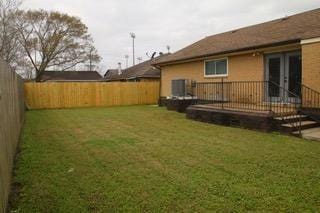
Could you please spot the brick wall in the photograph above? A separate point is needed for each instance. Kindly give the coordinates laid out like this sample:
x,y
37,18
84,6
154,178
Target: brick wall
x,y
245,67
240,68
311,65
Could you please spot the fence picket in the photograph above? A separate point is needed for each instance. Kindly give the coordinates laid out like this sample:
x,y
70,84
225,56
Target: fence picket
x,y
53,95
11,122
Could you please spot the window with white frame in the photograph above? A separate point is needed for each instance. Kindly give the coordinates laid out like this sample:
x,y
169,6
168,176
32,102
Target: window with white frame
x,y
216,68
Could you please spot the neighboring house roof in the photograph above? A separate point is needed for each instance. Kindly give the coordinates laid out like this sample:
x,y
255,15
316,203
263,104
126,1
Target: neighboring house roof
x,y
280,31
142,70
110,73
70,76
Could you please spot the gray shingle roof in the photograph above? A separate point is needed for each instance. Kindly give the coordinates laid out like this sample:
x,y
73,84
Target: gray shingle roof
x,y
142,70
289,29
110,73
70,76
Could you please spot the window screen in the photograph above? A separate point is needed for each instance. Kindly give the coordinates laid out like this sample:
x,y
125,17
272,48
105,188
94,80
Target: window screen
x,y
216,67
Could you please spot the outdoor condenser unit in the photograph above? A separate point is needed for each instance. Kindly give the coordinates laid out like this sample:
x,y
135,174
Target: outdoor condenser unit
x,y
179,88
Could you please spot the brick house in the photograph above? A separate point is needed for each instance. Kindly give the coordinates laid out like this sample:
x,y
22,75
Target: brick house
x,y
270,68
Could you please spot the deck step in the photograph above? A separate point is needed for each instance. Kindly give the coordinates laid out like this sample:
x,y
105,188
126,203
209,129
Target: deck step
x,y
307,130
290,117
303,123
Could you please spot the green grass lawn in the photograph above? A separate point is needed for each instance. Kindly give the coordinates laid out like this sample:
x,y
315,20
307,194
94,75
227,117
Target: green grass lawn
x,y
145,158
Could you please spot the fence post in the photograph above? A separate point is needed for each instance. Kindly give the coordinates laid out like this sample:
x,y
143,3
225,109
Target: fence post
x,y
300,119
194,91
222,93
267,88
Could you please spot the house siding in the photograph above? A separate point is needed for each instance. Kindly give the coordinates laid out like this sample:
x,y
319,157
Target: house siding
x,y
311,65
244,67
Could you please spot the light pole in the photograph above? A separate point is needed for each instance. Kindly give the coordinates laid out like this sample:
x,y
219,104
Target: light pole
x,y
133,36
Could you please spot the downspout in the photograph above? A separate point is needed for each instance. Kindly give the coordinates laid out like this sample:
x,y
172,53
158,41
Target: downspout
x,y
160,84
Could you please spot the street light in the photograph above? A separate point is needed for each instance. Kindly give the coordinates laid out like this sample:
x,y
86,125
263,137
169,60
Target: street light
x,y
133,36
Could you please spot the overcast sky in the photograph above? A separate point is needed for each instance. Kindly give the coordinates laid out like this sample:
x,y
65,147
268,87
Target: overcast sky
x,y
158,23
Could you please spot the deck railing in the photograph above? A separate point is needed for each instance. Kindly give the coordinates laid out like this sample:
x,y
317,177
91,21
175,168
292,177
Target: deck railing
x,y
309,98
260,96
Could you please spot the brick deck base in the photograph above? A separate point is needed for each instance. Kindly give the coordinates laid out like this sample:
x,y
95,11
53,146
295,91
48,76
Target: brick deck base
x,y
249,120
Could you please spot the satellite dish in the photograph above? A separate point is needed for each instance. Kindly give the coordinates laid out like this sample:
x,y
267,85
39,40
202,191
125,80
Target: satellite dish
x,y
153,54
168,48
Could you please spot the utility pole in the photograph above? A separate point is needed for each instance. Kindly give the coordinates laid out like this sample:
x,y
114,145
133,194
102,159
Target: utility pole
x,y
127,58
133,36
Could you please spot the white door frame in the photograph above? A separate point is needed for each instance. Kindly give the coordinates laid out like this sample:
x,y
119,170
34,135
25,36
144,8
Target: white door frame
x,y
283,96
279,97
287,77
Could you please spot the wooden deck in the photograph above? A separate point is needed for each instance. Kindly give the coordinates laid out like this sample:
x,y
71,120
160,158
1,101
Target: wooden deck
x,y
263,108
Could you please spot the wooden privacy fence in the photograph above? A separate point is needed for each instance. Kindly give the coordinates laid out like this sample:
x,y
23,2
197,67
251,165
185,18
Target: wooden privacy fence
x,y
94,94
11,122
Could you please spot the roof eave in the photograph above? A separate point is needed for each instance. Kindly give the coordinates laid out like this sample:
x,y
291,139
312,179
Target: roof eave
x,y
182,60
149,76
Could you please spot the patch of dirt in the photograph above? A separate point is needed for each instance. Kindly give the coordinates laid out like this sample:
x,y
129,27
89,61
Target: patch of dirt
x,y
14,195
15,187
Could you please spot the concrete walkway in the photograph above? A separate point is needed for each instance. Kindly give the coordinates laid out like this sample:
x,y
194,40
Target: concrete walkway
x,y
311,134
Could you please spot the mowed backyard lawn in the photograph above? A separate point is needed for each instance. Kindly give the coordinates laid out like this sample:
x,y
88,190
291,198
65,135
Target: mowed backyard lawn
x,y
145,158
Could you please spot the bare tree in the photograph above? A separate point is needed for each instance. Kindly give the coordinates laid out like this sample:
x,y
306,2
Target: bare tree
x,y
93,59
9,46
53,39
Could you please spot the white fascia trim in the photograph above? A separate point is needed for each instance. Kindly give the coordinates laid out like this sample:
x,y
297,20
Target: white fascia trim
x,y
311,40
